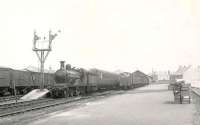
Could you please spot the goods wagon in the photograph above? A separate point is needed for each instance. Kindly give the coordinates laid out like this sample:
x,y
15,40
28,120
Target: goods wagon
x,y
5,80
23,80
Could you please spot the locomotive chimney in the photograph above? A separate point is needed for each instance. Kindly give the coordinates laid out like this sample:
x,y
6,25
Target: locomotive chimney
x,y
62,64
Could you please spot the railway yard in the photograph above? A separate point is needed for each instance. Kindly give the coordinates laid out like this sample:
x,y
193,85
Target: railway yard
x,y
27,95
101,62
148,105
78,96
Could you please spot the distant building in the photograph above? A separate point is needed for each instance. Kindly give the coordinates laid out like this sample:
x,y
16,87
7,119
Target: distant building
x,y
192,76
154,76
163,75
180,71
178,74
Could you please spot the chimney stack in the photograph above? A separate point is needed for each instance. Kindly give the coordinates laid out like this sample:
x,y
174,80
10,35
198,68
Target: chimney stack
x,y
62,64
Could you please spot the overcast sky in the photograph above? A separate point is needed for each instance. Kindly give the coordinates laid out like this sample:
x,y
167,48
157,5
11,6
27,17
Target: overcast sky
x,y
107,34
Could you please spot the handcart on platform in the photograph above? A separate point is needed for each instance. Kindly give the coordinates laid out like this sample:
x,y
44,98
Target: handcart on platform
x,y
181,92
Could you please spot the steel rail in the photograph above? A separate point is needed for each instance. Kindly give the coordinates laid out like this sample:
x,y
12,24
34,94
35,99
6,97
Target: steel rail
x,y
37,106
22,103
9,98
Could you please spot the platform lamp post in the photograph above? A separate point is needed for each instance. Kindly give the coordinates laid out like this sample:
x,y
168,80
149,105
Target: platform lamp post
x,y
42,52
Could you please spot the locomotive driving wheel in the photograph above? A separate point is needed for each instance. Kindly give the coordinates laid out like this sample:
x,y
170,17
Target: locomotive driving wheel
x,y
71,93
66,94
78,92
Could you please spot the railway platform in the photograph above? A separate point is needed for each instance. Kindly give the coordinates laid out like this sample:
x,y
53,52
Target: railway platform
x,y
149,105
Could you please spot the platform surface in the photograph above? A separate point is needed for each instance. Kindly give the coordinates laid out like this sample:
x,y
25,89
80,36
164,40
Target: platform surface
x,y
149,105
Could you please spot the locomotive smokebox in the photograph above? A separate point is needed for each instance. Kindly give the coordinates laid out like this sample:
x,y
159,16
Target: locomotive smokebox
x,y
60,75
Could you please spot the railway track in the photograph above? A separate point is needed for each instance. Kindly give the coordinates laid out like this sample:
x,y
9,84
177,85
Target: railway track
x,y
22,107
21,103
9,98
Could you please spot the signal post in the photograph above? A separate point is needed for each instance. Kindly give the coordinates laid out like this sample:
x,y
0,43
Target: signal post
x,y
42,52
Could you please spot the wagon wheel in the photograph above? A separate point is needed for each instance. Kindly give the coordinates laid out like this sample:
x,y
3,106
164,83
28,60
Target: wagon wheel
x,y
78,92
71,93
51,93
82,91
17,92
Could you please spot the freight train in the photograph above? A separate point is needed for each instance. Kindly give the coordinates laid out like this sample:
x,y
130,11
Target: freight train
x,y
68,81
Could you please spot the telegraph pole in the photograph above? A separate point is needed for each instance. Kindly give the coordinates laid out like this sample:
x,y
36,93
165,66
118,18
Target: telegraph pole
x,y
41,52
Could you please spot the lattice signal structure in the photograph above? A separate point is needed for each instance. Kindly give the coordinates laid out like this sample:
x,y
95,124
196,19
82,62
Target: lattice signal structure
x,y
42,48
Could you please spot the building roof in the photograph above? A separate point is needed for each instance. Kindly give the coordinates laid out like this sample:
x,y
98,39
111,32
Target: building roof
x,y
140,72
182,69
